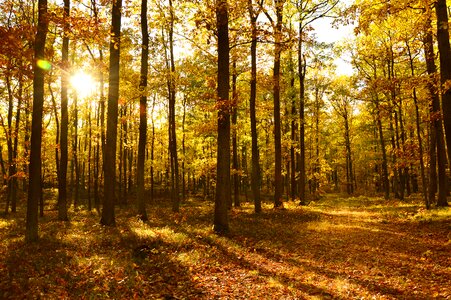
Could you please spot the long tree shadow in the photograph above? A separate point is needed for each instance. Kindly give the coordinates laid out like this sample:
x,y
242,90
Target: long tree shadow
x,y
81,259
289,232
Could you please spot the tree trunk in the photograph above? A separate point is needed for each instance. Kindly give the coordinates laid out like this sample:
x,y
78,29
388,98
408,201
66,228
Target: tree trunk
x,y
445,75
108,217
420,140
62,182
172,124
76,184
294,128
385,181
34,191
255,177
221,222
302,68
276,94
236,179
142,213
444,49
437,152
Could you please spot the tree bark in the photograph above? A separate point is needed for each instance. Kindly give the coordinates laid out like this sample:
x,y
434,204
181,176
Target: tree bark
x,y
276,94
142,213
437,152
62,182
175,181
444,49
302,67
255,176
222,197
236,179
108,217
34,190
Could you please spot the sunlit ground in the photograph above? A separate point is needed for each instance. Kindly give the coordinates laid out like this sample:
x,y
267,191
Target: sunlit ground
x,y
337,248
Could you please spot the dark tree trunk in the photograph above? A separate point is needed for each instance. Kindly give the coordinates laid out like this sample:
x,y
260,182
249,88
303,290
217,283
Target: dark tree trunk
x,y
420,139
444,49
349,170
108,217
34,191
385,181
76,183
14,182
236,179
175,180
62,182
445,75
294,128
221,221
302,67
255,176
276,94
437,152
142,213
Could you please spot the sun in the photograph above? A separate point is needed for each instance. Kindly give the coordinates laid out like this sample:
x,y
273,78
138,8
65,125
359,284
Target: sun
x,y
83,84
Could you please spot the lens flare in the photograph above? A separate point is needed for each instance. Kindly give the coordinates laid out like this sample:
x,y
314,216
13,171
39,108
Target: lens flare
x,y
43,64
83,84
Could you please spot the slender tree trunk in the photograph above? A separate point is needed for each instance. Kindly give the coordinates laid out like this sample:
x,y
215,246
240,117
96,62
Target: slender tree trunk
x,y
444,49
34,191
175,181
349,172
14,182
255,176
152,154
184,187
302,67
385,181
276,94
221,220
294,128
420,139
76,184
236,179
142,213
62,183
108,217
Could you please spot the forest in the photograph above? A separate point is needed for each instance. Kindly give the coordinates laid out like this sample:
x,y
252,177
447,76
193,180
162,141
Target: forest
x,y
218,149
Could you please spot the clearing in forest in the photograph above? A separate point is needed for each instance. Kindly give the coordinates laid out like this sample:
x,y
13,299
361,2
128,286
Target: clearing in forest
x,y
336,248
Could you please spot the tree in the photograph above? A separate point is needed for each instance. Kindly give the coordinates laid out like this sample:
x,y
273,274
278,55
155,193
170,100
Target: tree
x,y
62,182
39,66
437,152
255,177
223,192
108,217
143,112
444,49
277,27
172,124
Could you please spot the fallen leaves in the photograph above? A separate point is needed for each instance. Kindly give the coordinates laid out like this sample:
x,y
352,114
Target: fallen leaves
x,y
335,248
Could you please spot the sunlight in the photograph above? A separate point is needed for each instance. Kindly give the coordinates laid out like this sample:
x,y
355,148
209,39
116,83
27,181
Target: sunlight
x,y
83,84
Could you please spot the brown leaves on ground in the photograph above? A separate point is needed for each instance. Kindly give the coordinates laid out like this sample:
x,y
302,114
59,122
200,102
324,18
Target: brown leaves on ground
x,y
338,248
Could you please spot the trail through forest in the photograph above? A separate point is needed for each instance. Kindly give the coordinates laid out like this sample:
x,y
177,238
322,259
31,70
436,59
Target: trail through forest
x,y
336,248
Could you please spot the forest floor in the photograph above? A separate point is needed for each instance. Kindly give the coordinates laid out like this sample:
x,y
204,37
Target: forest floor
x,y
335,248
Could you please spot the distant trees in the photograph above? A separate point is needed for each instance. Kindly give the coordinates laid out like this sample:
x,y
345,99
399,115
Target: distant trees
x,y
391,139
